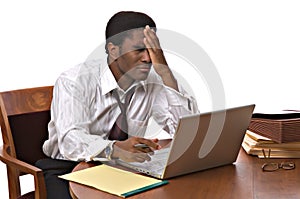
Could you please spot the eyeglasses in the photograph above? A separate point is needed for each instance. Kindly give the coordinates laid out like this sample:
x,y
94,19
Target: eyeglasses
x,y
272,166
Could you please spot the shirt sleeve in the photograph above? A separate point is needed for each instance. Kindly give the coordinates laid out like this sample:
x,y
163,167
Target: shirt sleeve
x,y
71,121
170,105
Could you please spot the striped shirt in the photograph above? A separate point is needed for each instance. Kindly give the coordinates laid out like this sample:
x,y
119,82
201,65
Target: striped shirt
x,y
83,110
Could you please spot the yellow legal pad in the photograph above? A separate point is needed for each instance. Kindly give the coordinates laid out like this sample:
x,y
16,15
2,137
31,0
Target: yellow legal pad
x,y
112,180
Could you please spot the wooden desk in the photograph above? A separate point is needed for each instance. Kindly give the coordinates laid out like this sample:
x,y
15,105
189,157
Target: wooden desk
x,y
242,180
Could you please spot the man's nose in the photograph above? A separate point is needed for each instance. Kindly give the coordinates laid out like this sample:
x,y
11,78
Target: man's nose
x,y
146,56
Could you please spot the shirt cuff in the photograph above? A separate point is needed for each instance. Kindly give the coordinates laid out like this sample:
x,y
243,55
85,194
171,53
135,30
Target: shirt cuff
x,y
96,148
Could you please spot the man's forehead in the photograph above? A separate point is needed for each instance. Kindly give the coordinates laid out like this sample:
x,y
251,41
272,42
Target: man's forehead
x,y
136,37
137,33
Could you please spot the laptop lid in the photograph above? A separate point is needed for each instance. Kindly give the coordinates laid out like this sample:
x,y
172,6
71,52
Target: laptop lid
x,y
207,140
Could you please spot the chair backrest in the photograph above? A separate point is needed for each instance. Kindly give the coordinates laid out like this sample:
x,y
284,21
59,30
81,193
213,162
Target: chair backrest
x,y
24,117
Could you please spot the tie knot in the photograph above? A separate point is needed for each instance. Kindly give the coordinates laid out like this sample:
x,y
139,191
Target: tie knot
x,y
124,99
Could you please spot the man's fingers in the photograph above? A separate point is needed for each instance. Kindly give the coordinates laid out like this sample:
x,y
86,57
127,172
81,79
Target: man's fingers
x,y
146,143
147,150
151,41
150,33
141,157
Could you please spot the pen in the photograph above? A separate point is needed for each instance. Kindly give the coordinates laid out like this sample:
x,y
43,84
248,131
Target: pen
x,y
142,146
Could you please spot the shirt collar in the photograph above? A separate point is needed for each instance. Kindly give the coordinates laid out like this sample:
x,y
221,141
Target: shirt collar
x,y
109,83
107,80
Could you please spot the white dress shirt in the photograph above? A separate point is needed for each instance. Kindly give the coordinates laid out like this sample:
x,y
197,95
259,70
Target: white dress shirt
x,y
83,110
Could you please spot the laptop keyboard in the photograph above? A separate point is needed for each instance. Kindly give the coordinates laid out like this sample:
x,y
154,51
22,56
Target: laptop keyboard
x,y
153,167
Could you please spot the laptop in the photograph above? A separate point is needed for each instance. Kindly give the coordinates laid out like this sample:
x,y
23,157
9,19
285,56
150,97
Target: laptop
x,y
202,141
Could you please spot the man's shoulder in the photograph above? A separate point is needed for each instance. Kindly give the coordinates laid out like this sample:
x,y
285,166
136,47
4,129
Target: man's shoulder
x,y
89,69
84,76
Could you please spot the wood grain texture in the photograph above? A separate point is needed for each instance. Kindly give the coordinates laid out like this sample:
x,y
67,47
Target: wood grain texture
x,y
243,179
24,116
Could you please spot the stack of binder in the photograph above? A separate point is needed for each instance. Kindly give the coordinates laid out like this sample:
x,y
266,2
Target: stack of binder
x,y
254,144
279,133
280,128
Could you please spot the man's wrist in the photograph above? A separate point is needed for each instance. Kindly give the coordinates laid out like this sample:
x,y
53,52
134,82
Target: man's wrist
x,y
170,81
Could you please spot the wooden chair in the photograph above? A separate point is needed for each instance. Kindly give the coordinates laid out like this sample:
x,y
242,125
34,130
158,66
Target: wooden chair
x,y
24,116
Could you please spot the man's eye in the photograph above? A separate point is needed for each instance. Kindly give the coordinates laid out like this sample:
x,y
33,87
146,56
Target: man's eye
x,y
141,49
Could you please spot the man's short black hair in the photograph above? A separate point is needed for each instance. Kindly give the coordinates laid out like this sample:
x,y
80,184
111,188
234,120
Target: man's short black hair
x,y
121,22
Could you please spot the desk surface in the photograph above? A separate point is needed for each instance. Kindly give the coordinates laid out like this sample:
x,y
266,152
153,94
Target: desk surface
x,y
244,179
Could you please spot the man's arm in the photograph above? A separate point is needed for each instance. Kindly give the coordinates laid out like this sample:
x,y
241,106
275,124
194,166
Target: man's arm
x,y
174,101
70,115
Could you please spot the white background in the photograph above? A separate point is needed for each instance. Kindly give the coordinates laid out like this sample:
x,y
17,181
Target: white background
x,y
255,45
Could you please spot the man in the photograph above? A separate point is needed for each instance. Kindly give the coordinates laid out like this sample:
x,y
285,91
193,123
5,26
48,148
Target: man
x,y
135,83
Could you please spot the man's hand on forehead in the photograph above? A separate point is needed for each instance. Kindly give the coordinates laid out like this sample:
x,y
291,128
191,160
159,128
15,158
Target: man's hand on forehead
x,y
153,46
158,59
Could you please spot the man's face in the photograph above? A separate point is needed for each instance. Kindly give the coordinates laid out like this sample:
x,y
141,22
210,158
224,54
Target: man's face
x,y
134,61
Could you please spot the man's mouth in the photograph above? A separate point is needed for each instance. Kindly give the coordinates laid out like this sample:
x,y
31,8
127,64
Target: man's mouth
x,y
144,68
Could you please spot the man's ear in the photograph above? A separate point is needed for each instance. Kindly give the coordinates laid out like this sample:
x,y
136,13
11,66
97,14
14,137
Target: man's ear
x,y
113,51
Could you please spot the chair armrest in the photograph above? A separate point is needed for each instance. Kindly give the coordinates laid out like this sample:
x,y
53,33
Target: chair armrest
x,y
18,164
39,182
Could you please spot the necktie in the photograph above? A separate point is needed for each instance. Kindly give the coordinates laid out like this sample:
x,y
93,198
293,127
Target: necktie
x,y
120,127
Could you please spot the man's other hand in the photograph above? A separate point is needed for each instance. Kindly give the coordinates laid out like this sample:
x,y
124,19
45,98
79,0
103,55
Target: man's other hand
x,y
135,149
